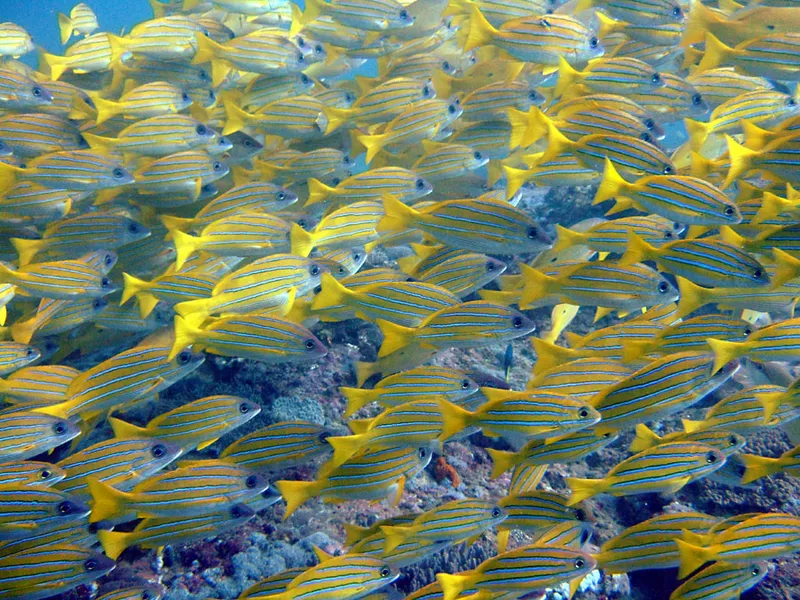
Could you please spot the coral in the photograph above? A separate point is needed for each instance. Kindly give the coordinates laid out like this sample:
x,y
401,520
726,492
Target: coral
x,y
442,471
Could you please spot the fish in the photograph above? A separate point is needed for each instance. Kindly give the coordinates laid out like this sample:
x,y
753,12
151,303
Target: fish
x,y
757,467
32,509
773,342
26,433
369,475
521,569
676,464
636,547
200,488
195,425
143,101
722,578
79,170
278,446
81,20
16,40
30,473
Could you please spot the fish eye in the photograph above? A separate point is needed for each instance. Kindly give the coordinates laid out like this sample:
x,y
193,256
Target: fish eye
x,y
533,233
133,227
217,166
346,159
593,42
490,266
244,408
30,351
184,357
583,413
336,181
247,143
305,79
301,41
185,97
757,273
118,173
729,210
791,102
446,65
756,571
579,563
300,57
477,155
580,514
733,441
158,450
89,101
251,481
422,453
323,436
517,322
302,223
310,344
649,123
451,109
668,235
663,287
145,595
496,513
59,429
318,49
385,571
426,91
584,537
317,289
748,331
201,129
606,435
697,99
314,270
465,383
667,170
645,137
203,75
223,141
45,473
420,184
677,12
90,564
98,302
711,458
36,91
105,283
656,78
66,507
356,256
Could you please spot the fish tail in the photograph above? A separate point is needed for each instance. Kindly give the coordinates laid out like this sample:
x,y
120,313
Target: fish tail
x,y
185,246
557,144
754,136
353,533
519,124
788,267
7,275
236,118
741,160
454,419
583,489
692,296
98,142
692,557
192,307
771,206
698,132
452,585
186,334
108,501
607,25
344,446
515,179
567,238
123,429
356,399
395,337
537,125
173,223
560,318
295,494
206,49
365,370
114,543
505,298
64,27
537,286
726,351
373,144
756,467
336,117
635,349
549,355
690,426
716,54
119,46
696,23
301,241
8,175
106,109
645,438
502,461
23,331
131,287
27,249
146,303
567,77
494,172
770,402
394,535
52,64
638,250
398,217
318,191
611,185
481,32
333,293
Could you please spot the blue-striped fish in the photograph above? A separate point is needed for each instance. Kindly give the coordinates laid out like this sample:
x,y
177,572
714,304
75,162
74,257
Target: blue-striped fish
x,y
183,173
279,446
25,434
81,170
144,101
60,280
30,473
195,425
19,92
30,509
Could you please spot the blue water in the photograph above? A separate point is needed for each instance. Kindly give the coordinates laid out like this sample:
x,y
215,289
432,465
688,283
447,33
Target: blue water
x,y
38,17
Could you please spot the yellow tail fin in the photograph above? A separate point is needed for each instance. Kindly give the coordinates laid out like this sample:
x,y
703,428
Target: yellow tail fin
x,y
356,399
515,179
64,27
638,250
645,438
395,337
454,419
557,144
481,32
633,350
55,64
726,351
333,293
502,461
373,143
108,501
583,489
741,160
788,267
568,238
98,142
756,467
132,287
394,535
398,217
106,109
716,53
345,446
186,334
123,429
692,296
612,184
567,77
318,191
692,557
206,49
519,124
295,494
549,355
698,132
301,241
690,426
537,285
236,118
185,245
27,249
114,543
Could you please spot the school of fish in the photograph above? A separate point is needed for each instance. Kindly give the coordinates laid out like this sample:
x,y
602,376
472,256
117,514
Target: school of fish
x,y
213,181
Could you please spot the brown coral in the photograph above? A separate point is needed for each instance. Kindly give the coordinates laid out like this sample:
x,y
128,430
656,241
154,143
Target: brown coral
x,y
442,470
